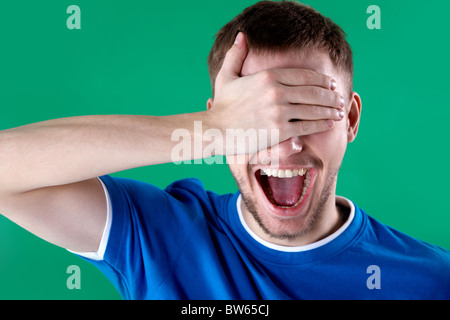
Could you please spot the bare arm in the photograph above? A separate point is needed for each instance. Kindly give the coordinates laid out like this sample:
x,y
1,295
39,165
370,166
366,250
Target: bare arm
x,y
68,150
48,170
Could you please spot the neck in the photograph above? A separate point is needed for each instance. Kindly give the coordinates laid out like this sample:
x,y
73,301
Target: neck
x,y
318,225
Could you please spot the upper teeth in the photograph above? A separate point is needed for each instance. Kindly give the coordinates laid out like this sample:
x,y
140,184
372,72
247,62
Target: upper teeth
x,y
288,173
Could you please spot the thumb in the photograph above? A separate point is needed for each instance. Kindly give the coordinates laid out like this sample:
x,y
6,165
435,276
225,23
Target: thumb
x,y
234,59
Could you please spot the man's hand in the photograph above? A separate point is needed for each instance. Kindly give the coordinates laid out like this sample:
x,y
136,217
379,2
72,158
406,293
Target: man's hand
x,y
295,101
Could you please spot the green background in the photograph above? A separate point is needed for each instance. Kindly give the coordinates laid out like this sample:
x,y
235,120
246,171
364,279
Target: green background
x,y
149,57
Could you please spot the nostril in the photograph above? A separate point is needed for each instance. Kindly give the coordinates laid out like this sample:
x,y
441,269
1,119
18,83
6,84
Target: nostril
x,y
296,145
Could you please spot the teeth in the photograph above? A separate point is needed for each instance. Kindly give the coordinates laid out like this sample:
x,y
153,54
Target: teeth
x,y
288,173
306,183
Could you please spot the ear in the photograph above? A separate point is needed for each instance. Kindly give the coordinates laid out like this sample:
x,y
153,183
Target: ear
x,y
209,103
354,115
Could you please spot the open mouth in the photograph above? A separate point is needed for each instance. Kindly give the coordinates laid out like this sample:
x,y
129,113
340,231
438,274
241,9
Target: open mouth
x,y
285,188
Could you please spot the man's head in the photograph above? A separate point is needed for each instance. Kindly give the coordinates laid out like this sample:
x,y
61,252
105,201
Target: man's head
x,y
301,208
277,27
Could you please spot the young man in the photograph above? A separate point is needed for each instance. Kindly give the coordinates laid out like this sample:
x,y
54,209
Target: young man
x,y
278,66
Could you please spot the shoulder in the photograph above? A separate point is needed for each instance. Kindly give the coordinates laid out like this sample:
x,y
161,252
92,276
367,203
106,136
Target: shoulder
x,y
187,194
410,268
408,251
400,241
187,188
178,189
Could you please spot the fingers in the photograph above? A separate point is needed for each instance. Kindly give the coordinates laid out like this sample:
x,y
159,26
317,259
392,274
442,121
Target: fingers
x,y
309,112
234,59
299,86
303,128
299,77
313,96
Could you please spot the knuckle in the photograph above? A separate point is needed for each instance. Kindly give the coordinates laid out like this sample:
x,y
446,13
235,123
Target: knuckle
x,y
316,111
321,112
337,99
319,93
305,126
308,76
274,93
277,114
267,77
335,113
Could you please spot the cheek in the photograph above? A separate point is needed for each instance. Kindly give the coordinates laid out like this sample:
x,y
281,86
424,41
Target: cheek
x,y
242,177
238,162
330,145
238,169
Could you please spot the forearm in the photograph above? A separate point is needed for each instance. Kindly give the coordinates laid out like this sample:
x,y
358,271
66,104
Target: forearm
x,y
68,150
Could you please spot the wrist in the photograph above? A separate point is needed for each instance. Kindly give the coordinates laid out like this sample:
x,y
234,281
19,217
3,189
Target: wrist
x,y
213,135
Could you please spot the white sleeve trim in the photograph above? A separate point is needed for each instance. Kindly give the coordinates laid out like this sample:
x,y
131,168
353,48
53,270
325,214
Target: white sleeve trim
x,y
99,254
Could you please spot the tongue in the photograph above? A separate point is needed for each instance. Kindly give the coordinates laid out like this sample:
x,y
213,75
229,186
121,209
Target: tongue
x,y
286,191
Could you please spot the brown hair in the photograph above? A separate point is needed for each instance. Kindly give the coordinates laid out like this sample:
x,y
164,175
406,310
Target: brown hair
x,y
279,27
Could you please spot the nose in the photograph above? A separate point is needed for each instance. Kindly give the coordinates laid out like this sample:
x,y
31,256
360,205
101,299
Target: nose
x,y
285,149
290,146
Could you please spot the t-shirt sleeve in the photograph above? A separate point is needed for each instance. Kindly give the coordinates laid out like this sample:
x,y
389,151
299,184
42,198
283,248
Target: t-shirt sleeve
x,y
100,253
149,227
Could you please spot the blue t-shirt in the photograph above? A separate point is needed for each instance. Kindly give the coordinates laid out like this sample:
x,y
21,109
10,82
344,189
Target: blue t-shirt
x,y
184,242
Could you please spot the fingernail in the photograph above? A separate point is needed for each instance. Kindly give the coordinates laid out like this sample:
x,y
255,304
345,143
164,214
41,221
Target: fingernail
x,y
341,102
333,84
341,114
238,38
330,123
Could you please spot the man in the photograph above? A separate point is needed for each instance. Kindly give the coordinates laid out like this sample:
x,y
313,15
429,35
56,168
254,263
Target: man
x,y
278,66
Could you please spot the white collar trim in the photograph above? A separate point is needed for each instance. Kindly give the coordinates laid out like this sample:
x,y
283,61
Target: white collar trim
x,y
311,246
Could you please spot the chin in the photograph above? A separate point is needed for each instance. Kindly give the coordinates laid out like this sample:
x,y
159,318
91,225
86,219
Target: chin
x,y
286,202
